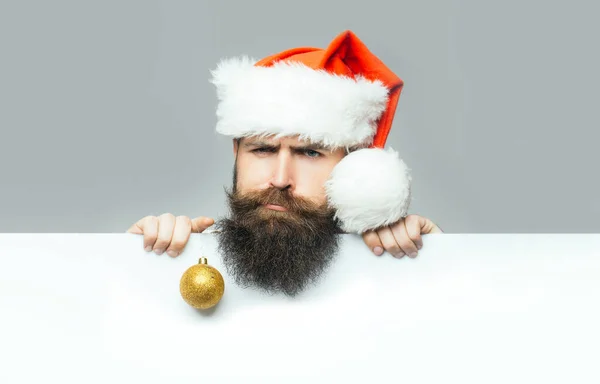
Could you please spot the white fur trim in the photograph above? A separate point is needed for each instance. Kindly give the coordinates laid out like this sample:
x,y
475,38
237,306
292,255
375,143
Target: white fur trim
x,y
369,188
291,99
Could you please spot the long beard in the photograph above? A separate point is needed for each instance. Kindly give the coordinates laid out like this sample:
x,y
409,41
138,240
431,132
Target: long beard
x,y
277,251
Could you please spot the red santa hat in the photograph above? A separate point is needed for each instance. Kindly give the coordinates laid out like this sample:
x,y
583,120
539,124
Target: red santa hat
x,y
342,96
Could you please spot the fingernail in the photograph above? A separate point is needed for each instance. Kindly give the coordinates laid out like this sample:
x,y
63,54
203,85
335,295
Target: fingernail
x,y
159,251
148,249
419,246
172,253
399,255
414,254
378,251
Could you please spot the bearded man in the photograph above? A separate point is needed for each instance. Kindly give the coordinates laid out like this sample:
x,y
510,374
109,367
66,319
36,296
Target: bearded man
x,y
309,127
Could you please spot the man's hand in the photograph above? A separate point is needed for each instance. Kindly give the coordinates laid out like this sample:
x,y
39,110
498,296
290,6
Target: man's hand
x,y
168,233
402,238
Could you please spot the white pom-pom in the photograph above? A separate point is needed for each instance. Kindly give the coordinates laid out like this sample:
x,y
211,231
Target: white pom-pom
x,y
369,188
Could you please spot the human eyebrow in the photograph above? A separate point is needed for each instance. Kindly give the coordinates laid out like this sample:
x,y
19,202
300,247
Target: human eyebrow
x,y
260,144
311,147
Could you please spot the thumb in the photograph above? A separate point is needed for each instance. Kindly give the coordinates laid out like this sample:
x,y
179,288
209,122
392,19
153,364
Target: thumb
x,y
199,224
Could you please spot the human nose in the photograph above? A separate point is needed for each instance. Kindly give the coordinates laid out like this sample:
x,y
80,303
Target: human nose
x,y
282,177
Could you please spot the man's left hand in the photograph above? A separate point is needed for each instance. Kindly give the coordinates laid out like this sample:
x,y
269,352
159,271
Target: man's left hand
x,y
402,238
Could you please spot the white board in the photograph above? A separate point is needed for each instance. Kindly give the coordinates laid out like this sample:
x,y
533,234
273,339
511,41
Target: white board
x,y
88,308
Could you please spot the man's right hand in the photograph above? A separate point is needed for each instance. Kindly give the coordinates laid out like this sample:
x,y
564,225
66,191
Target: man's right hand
x,y
168,233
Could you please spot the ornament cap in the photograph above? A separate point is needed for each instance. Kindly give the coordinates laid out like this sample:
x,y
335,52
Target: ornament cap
x,y
203,260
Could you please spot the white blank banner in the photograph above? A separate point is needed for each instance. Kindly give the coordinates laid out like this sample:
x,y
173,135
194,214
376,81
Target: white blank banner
x,y
96,308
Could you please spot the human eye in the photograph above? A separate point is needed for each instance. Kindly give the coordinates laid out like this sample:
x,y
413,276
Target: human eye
x,y
312,153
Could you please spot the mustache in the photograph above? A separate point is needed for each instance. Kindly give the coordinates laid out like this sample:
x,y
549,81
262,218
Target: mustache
x,y
252,200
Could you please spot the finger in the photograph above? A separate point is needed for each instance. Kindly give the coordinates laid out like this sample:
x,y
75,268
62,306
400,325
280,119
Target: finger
x,y
428,226
389,242
199,224
149,227
181,235
136,229
166,225
414,226
401,235
373,242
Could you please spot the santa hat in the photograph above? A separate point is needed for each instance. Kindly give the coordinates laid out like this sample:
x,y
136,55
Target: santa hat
x,y
341,96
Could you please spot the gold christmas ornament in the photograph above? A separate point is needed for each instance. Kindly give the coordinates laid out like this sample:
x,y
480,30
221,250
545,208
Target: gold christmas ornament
x,y
202,285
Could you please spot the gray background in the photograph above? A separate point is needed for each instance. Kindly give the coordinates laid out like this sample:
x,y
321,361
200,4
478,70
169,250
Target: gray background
x,y
106,113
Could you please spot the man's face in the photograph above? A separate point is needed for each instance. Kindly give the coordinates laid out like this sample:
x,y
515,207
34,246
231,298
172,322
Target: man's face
x,y
285,164
281,234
